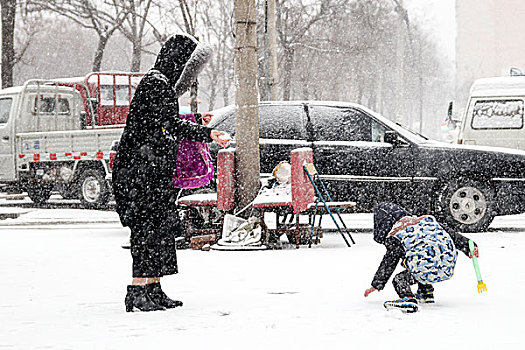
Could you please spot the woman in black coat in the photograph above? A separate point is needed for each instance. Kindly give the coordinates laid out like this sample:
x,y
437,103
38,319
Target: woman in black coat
x,y
145,164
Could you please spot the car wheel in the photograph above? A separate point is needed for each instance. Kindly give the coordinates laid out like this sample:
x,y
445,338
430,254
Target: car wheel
x,y
93,189
39,193
467,206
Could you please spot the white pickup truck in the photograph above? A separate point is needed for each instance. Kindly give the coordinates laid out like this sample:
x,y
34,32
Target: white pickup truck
x,y
50,141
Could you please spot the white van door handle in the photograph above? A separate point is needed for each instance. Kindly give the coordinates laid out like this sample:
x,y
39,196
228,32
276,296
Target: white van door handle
x,y
5,138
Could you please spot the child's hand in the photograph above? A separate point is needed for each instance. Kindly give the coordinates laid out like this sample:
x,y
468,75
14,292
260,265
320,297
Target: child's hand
x,y
370,290
476,253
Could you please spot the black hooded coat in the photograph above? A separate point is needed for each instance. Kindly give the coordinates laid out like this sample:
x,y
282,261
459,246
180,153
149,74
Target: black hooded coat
x,y
146,158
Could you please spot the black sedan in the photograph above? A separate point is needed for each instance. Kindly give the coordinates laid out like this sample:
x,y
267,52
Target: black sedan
x,y
367,158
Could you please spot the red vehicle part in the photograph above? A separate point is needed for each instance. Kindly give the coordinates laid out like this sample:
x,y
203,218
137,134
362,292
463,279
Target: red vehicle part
x,y
110,93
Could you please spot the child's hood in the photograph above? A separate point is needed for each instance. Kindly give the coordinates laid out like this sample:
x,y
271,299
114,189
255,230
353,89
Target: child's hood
x,y
385,216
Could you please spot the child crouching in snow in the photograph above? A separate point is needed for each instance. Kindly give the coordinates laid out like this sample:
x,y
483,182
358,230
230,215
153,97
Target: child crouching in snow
x,y
427,251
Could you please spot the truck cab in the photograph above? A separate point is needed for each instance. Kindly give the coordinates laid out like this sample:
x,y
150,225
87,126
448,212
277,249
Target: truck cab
x,y
494,114
55,135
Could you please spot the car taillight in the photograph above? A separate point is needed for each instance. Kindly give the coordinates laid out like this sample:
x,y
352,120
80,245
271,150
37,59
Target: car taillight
x,y
112,155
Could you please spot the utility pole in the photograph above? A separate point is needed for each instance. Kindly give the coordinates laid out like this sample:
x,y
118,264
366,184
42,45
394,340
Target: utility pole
x,y
246,103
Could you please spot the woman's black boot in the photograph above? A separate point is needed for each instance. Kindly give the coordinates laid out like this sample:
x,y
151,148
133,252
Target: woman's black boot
x,y
159,297
138,297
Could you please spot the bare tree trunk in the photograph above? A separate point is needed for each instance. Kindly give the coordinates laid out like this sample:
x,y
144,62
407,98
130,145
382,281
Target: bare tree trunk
x,y
225,88
99,53
136,42
137,25
8,45
213,94
246,104
272,51
288,67
136,55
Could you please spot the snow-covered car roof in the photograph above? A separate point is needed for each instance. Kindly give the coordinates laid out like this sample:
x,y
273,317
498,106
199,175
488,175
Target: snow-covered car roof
x,y
403,131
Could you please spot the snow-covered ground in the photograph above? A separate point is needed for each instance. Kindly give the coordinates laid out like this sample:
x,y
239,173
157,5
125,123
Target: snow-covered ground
x,y
63,286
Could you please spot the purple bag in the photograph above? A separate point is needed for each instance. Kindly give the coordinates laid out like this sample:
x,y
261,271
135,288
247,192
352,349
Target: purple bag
x,y
194,165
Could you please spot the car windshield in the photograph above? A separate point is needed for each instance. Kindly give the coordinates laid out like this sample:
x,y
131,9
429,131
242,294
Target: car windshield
x,y
406,133
220,115
413,132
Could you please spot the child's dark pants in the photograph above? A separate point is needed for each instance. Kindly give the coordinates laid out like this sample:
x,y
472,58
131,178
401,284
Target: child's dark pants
x,y
402,282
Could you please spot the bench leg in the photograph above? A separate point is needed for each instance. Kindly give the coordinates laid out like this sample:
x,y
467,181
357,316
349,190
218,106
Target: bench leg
x,y
297,231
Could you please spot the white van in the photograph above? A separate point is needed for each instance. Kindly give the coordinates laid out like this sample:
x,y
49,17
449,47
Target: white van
x,y
494,113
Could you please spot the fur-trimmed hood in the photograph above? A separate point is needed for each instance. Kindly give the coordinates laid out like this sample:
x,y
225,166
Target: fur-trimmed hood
x,y
181,59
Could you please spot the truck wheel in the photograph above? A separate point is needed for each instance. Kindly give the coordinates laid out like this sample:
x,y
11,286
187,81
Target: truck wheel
x,y
39,193
466,205
93,189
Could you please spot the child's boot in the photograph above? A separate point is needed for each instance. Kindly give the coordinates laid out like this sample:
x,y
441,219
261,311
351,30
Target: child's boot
x,y
425,297
406,304
425,293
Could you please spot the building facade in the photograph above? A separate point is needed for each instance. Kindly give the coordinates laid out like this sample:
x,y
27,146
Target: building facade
x,y
490,40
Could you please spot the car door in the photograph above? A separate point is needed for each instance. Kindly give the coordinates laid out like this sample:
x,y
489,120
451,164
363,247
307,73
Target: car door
x,y
282,128
353,159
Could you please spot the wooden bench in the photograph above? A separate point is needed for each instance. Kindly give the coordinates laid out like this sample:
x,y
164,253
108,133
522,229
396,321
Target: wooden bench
x,y
297,202
301,200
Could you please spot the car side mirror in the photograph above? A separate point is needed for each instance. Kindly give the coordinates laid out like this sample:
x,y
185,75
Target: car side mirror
x,y
391,137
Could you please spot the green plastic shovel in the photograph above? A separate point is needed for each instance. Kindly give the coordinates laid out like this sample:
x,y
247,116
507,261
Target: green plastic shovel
x,y
482,287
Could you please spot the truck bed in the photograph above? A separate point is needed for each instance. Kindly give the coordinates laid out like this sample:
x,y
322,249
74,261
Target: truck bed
x,y
51,145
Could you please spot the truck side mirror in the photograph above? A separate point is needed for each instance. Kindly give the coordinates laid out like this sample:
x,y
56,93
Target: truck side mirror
x,y
391,137
450,109
450,114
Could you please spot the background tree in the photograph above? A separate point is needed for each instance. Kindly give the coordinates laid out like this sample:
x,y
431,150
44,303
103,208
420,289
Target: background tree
x,y
8,43
104,17
332,50
218,74
134,28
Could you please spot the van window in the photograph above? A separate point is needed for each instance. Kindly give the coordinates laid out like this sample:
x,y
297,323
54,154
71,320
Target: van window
x,y
5,110
46,105
497,114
